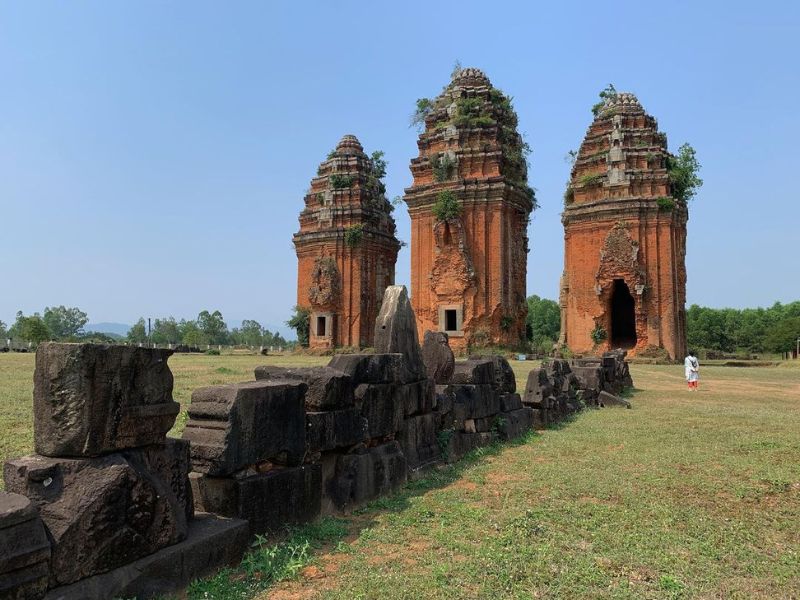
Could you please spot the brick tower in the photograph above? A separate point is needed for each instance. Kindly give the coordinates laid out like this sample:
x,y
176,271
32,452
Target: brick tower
x,y
469,206
624,282
346,248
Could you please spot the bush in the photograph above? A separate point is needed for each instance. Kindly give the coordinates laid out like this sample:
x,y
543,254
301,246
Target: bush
x,y
339,181
599,334
353,235
446,206
665,204
212,352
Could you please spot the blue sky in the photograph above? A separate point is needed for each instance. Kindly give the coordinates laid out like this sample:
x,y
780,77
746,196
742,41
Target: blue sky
x,y
154,155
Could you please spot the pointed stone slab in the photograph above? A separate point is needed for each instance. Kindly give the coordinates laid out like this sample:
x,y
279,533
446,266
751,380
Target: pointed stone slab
x,y
396,328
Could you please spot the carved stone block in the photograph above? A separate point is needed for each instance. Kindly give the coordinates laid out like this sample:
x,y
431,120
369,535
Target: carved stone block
x,y
24,549
328,389
269,501
107,511
91,399
235,426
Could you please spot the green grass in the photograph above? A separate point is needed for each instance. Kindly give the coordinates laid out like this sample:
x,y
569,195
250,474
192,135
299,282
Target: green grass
x,y
688,495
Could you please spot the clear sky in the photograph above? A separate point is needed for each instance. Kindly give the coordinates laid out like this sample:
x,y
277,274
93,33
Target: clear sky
x,y
154,155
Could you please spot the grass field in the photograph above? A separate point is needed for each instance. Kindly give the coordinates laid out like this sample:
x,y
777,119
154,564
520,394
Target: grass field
x,y
685,496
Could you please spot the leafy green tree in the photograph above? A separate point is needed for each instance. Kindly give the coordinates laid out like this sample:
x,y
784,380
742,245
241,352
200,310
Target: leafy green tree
x,y
544,320
783,336
213,327
166,331
3,332
191,334
300,322
64,323
250,333
31,329
138,333
682,170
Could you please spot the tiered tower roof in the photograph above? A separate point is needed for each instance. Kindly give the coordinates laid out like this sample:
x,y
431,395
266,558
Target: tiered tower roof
x,y
347,192
623,157
470,136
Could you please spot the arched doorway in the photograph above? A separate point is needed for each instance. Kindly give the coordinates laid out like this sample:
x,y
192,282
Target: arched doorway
x,y
623,316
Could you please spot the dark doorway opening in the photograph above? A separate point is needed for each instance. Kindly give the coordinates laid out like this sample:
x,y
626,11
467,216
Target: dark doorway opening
x,y
450,320
623,316
321,326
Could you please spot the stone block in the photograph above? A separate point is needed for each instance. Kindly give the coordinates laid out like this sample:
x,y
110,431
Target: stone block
x,y
92,399
268,501
335,429
538,387
328,389
418,439
509,402
367,474
474,371
438,357
503,375
107,511
515,423
589,377
396,329
475,401
417,398
212,543
381,407
234,426
443,399
375,368
460,443
24,549
608,400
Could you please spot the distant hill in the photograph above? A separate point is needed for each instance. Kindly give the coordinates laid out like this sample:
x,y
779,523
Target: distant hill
x,y
114,328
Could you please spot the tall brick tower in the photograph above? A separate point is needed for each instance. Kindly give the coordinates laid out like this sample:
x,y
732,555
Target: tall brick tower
x,y
469,206
624,282
346,248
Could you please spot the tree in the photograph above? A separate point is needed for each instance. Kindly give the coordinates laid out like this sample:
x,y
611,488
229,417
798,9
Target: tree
x,y
544,320
63,322
191,334
165,331
31,329
213,327
138,333
300,323
3,332
783,336
250,333
682,170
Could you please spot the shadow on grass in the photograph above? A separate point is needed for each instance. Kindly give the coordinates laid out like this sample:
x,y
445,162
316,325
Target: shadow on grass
x,y
269,562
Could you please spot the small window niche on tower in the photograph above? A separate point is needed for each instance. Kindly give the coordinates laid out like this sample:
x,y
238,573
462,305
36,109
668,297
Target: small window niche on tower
x,y
451,319
322,325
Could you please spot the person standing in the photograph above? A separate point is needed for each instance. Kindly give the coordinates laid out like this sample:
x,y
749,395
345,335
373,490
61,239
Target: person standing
x,y
691,367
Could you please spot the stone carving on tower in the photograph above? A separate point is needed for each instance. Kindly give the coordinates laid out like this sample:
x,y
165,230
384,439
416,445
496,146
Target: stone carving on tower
x,y
469,206
346,248
624,282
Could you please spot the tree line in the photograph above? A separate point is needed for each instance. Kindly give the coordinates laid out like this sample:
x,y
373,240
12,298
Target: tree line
x,y
208,328
63,324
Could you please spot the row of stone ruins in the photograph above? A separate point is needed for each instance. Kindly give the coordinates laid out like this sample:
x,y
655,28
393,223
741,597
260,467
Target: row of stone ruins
x,y
111,507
